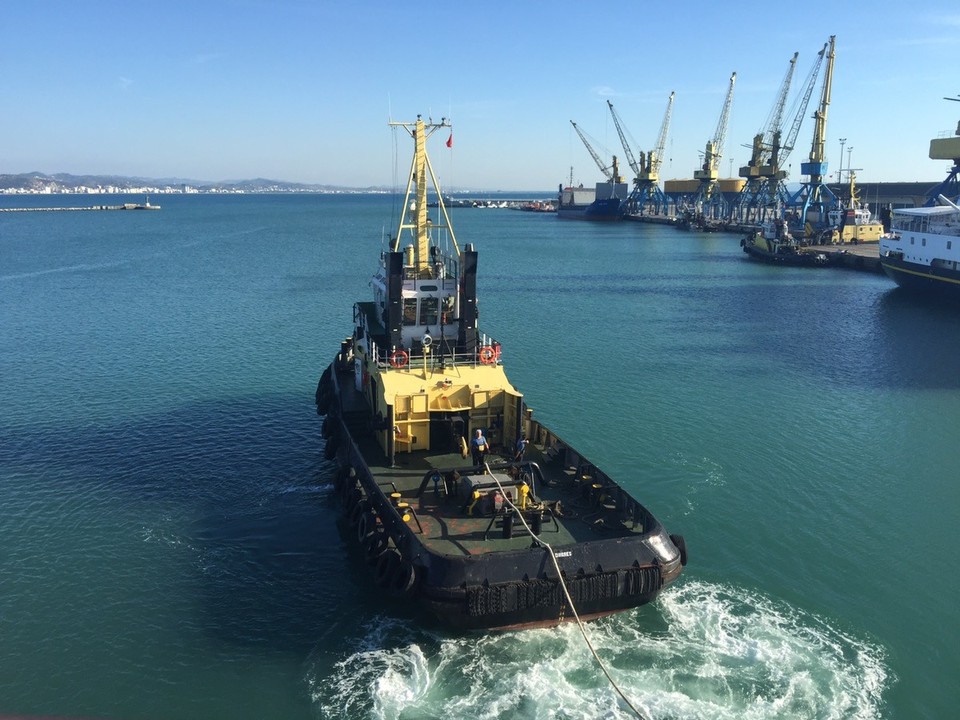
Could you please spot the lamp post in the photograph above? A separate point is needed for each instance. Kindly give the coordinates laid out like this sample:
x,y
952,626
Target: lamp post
x,y
840,169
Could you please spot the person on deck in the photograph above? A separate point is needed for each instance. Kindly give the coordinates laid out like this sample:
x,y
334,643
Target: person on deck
x,y
521,448
479,447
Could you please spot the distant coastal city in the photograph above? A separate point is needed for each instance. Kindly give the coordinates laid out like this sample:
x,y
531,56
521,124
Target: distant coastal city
x,y
36,183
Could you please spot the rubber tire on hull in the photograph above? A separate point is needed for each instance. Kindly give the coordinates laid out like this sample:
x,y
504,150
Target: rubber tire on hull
x,y
366,524
361,508
330,449
404,581
375,546
351,496
681,546
387,565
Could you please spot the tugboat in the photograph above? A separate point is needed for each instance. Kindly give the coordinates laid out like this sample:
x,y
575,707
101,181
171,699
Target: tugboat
x,y
853,223
463,503
773,243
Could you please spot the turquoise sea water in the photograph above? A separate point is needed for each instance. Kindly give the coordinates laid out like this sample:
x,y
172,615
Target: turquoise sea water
x,y
169,543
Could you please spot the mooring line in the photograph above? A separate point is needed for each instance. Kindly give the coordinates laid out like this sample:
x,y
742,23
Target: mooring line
x,y
566,593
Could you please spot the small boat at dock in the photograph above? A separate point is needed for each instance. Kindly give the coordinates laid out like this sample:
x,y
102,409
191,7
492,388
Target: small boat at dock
x,y
462,503
774,244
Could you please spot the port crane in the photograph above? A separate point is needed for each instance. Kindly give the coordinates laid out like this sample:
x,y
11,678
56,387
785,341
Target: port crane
x,y
707,201
762,169
815,199
612,171
947,148
646,196
766,196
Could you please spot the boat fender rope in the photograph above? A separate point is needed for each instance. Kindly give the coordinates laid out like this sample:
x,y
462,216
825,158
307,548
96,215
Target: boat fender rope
x,y
566,593
399,359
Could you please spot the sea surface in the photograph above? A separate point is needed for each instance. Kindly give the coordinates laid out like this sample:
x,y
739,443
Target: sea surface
x,y
170,546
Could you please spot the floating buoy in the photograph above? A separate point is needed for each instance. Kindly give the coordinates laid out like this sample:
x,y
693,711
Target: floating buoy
x,y
488,355
399,359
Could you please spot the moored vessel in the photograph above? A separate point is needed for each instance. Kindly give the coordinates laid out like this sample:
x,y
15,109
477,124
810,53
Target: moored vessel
x,y
462,502
774,244
606,201
922,250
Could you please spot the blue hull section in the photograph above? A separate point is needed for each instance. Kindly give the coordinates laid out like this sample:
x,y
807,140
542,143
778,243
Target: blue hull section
x,y
598,210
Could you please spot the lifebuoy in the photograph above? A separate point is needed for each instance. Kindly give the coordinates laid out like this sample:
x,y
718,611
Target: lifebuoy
x,y
488,355
399,359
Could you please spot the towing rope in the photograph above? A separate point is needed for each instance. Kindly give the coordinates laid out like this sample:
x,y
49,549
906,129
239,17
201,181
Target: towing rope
x,y
566,593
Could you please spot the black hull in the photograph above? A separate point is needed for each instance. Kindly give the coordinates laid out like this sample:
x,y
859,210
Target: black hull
x,y
922,279
791,259
489,590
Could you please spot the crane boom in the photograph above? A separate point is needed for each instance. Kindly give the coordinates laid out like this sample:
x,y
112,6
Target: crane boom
x,y
714,148
818,147
656,157
609,172
802,106
631,160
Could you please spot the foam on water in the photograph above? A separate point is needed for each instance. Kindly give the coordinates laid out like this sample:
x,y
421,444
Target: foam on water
x,y
705,651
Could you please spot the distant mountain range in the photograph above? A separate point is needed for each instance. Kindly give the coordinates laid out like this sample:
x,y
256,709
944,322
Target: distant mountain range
x,y
36,182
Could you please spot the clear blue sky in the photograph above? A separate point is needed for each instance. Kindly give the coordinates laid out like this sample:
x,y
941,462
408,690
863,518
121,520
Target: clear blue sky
x,y
302,91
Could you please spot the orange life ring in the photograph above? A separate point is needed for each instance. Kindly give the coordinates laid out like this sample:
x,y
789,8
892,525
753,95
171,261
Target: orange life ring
x,y
399,358
487,355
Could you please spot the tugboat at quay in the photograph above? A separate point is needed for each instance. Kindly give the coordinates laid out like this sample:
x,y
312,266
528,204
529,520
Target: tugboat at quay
x,y
491,540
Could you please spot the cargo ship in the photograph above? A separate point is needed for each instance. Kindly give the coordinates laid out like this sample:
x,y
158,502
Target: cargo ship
x,y
463,504
605,202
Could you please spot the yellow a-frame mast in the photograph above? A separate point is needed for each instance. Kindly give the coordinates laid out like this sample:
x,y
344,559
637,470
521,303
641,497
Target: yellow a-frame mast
x,y
414,214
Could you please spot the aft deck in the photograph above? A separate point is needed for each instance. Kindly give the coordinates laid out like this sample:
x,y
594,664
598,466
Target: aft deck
x,y
567,500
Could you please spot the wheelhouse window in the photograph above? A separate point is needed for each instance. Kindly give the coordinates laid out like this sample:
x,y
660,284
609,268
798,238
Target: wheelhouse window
x,y
428,311
409,311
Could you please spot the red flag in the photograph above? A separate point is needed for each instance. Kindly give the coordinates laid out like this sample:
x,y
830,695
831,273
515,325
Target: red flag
x,y
450,140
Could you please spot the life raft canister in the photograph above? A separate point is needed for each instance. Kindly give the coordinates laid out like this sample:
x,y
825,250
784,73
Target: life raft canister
x,y
399,359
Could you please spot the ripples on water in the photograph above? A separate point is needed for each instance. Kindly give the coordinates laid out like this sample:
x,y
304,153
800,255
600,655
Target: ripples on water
x,y
171,547
708,651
